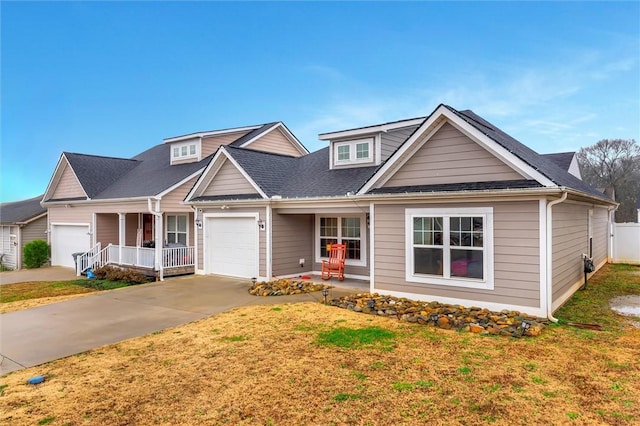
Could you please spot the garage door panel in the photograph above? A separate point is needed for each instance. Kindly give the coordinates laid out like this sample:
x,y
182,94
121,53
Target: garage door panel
x,y
232,246
66,240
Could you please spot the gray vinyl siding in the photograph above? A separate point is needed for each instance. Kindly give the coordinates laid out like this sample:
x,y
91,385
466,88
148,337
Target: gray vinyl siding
x,y
210,144
227,181
107,229
68,185
262,236
571,240
36,230
391,140
292,239
451,157
275,141
516,254
600,235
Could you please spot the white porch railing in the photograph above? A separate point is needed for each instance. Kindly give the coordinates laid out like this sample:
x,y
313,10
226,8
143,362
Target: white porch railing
x,y
87,260
172,257
178,256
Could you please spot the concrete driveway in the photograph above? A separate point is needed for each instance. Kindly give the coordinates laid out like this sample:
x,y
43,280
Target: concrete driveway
x,y
35,336
46,273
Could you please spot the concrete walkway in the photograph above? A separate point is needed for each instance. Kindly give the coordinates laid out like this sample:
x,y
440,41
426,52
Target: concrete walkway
x,y
35,336
46,273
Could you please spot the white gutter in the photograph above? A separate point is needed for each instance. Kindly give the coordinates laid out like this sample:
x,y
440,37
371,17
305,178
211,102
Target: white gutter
x,y
158,237
550,255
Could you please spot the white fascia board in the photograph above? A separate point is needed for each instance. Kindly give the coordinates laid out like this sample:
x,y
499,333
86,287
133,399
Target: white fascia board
x,y
179,184
410,146
298,145
211,133
371,129
57,175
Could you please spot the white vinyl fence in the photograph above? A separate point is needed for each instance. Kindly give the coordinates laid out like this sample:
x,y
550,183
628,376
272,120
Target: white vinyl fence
x,y
626,243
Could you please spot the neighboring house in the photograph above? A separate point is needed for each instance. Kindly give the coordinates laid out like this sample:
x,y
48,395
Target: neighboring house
x,y
445,207
20,222
131,211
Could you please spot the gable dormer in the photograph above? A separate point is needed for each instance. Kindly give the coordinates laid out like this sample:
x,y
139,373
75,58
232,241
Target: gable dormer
x,y
368,146
196,146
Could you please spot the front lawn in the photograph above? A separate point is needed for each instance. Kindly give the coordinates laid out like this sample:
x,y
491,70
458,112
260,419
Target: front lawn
x,y
30,294
299,364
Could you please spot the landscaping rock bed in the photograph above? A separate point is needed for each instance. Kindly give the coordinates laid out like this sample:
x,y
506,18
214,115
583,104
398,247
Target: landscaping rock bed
x,y
284,287
474,320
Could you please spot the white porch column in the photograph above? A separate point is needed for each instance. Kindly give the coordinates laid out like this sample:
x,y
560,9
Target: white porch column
x,y
159,240
122,226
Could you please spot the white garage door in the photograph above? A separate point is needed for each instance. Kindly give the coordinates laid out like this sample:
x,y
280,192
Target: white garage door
x,y
231,246
66,240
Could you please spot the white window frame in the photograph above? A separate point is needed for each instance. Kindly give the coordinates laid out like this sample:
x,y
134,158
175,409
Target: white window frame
x,y
487,283
352,144
363,238
187,146
166,227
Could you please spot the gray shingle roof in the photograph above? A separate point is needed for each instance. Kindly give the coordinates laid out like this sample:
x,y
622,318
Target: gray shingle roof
x,y
465,186
21,211
97,173
562,159
152,175
299,177
252,134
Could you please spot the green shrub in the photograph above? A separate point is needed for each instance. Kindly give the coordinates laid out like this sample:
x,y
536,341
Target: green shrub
x,y
35,253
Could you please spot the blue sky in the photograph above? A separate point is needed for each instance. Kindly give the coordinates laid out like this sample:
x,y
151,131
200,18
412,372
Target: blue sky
x,y
116,78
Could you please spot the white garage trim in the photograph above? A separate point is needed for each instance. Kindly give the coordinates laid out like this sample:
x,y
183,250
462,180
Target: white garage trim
x,y
206,251
61,254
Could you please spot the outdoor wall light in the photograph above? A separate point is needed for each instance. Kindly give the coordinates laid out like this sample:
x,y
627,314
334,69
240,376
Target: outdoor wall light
x,y
261,225
198,224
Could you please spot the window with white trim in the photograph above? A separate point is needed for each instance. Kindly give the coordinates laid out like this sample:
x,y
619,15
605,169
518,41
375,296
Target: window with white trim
x,y
450,246
355,151
348,230
185,150
177,229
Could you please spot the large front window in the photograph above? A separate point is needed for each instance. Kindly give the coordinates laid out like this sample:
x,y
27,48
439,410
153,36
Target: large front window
x,y
450,246
177,229
348,230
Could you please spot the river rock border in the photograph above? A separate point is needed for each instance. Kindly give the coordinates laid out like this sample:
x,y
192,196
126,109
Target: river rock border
x,y
284,287
473,319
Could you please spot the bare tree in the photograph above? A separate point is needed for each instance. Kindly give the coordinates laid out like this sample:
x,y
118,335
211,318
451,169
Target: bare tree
x,y
614,163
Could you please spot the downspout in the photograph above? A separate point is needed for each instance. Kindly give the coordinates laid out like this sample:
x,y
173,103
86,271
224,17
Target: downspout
x,y
550,255
158,236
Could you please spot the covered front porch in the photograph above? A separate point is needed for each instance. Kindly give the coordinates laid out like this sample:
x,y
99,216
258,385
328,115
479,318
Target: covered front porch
x,y
157,244
170,261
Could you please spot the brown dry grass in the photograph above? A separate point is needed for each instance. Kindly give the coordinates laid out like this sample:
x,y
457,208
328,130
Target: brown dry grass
x,y
34,303
261,365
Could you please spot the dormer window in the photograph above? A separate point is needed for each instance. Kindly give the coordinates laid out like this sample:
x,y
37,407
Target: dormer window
x,y
354,151
185,151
